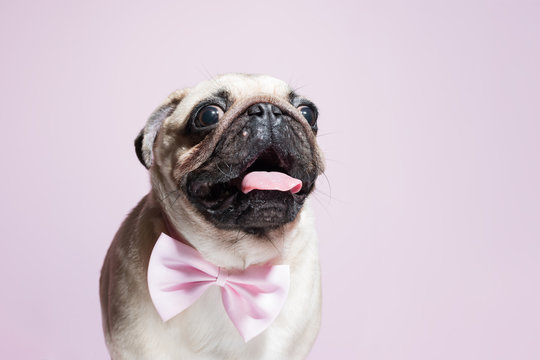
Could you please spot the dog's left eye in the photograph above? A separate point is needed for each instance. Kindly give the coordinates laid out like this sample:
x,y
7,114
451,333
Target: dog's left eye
x,y
208,116
309,114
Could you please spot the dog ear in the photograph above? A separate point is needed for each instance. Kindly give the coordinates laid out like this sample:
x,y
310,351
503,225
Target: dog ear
x,y
144,142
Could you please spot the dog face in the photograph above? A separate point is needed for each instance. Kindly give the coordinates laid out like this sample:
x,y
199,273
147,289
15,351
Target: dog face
x,y
232,161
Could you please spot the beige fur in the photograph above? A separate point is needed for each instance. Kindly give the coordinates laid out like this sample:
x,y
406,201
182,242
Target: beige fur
x,y
133,329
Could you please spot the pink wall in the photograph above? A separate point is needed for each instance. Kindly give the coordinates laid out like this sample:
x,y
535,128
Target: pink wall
x,y
430,120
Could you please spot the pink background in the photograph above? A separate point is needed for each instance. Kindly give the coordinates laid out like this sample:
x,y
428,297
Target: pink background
x,y
429,217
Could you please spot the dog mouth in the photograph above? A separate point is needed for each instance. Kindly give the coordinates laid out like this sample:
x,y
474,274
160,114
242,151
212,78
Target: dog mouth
x,y
264,192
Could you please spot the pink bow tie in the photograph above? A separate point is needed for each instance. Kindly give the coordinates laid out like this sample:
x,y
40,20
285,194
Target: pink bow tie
x,y
178,276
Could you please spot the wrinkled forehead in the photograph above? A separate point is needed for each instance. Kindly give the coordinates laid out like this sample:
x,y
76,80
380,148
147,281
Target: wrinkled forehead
x,y
241,85
235,86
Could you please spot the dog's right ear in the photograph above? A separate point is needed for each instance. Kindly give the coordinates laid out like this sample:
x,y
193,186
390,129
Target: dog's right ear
x,y
144,142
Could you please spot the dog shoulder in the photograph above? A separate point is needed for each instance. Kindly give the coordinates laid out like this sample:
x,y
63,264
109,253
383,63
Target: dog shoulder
x,y
123,271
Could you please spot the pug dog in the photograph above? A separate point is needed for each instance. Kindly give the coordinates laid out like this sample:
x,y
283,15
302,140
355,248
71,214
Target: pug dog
x,y
231,161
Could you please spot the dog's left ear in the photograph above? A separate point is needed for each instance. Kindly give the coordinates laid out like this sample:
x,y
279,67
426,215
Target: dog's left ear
x,y
144,142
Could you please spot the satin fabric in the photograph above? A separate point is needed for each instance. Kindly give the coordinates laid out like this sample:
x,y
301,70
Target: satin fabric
x,y
178,275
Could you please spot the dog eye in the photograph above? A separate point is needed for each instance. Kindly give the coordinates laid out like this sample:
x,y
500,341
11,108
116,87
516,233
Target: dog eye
x,y
208,116
309,114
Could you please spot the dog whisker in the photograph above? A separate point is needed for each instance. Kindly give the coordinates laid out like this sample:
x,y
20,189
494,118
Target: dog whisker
x,y
273,244
324,204
168,194
176,199
326,134
328,182
208,74
296,88
223,172
329,196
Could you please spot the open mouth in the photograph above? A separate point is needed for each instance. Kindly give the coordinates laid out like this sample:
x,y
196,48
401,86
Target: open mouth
x,y
267,172
262,192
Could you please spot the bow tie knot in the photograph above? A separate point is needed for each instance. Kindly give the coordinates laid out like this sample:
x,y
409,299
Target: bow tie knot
x,y
222,277
178,275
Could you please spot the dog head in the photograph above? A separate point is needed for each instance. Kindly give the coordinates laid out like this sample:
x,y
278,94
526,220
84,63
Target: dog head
x,y
232,161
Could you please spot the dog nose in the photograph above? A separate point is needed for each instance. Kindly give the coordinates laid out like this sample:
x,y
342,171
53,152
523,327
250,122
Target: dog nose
x,y
265,119
266,111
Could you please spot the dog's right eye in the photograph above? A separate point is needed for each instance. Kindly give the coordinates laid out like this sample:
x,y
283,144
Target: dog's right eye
x,y
208,116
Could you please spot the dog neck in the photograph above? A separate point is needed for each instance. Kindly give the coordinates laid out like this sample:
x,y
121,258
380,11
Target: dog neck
x,y
170,231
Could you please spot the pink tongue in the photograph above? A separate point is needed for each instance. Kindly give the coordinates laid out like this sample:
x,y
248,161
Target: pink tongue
x,y
273,180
